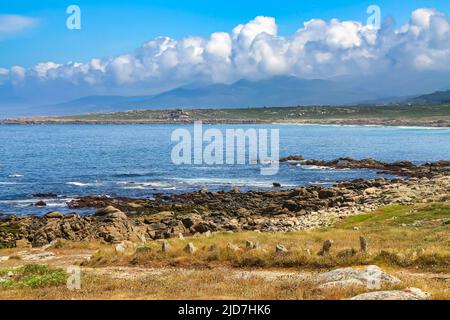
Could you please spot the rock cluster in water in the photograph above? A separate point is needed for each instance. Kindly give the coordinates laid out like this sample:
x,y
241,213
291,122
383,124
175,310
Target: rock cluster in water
x,y
401,168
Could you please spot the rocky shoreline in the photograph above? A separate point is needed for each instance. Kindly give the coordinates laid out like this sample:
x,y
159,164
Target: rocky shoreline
x,y
399,168
119,219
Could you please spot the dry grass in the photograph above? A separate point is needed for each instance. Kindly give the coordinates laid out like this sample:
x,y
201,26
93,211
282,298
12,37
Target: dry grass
x,y
208,284
186,284
398,236
410,242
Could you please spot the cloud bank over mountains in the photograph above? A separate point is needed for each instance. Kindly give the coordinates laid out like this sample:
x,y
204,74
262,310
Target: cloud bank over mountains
x,y
319,49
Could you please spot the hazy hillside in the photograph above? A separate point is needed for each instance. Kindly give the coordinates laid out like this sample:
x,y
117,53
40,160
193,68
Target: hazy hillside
x,y
438,97
277,91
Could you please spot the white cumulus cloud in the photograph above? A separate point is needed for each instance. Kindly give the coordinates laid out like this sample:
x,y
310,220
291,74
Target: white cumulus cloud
x,y
255,50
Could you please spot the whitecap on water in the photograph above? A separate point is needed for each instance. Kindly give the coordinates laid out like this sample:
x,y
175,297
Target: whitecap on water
x,y
422,128
313,167
322,183
15,175
84,184
229,182
22,203
146,185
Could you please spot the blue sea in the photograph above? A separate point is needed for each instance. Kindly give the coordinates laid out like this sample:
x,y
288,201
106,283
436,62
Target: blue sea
x,y
135,160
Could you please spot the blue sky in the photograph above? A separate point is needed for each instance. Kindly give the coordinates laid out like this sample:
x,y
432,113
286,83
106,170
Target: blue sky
x,y
111,28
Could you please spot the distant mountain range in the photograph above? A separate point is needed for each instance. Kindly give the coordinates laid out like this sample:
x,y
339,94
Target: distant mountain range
x,y
277,91
438,97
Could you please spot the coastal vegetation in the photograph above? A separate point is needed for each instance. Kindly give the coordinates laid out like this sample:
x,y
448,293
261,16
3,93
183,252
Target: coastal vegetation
x,y
420,115
399,236
32,276
311,242
409,242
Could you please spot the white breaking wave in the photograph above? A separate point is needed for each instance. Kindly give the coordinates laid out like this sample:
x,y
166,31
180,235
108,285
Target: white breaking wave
x,y
230,182
143,187
146,185
17,201
22,203
15,175
313,167
320,183
180,182
83,184
192,182
423,128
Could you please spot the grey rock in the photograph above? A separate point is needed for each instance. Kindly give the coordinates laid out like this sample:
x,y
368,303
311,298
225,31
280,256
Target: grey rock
x,y
235,190
363,244
50,245
54,215
190,248
120,248
40,204
37,256
372,276
343,284
325,248
106,210
233,247
165,246
280,248
408,294
346,253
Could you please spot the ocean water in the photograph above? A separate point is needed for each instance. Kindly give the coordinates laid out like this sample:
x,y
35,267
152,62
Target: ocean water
x,y
135,160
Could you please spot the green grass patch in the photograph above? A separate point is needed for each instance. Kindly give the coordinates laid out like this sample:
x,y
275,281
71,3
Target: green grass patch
x,y
397,215
7,245
32,276
9,228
